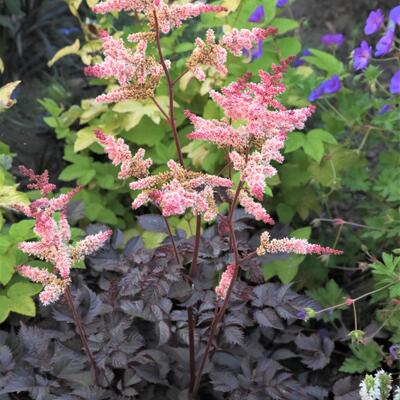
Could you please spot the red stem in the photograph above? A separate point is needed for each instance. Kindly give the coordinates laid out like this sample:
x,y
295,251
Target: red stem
x,y
191,322
170,93
82,334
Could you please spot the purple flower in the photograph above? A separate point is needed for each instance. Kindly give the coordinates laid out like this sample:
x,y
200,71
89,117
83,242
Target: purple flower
x,y
300,61
281,3
329,86
395,83
317,92
394,352
332,85
256,53
302,314
384,109
258,15
332,39
374,22
362,55
385,44
394,15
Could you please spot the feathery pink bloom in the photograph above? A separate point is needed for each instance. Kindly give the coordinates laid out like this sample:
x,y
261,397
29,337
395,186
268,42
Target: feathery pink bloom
x,y
225,281
178,189
54,246
172,16
119,153
121,5
168,16
218,132
286,245
89,245
53,287
237,40
119,61
38,182
207,53
255,209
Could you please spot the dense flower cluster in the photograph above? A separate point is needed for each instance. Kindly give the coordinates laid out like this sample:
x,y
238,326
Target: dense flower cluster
x,y
265,123
38,182
131,166
137,74
286,245
238,42
54,244
169,16
225,281
173,191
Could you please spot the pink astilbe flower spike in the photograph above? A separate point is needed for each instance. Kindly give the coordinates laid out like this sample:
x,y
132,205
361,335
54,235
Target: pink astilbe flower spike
x,y
207,53
286,245
38,182
178,189
237,40
255,209
89,244
225,281
53,245
53,287
168,16
120,154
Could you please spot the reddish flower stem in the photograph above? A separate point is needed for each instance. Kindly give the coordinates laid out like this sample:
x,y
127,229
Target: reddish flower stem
x,y
161,110
191,321
82,334
219,313
172,239
170,93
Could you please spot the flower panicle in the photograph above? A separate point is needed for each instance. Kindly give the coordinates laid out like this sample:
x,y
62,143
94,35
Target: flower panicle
x,y
53,245
38,182
119,153
291,245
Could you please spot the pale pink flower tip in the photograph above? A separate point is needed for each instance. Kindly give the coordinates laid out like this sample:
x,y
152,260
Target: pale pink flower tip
x,y
286,245
38,182
225,281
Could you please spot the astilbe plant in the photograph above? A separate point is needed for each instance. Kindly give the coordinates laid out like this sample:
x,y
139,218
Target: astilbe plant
x,y
54,245
253,133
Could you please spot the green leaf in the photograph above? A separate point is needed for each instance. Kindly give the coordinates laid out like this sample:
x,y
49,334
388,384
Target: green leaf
x,y
84,138
294,141
302,233
65,51
284,25
325,61
72,172
322,135
7,266
4,308
21,231
314,148
147,132
285,269
23,305
5,95
288,46
22,289
367,358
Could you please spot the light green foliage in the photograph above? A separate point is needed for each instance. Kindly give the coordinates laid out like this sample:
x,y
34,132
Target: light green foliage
x,y
366,357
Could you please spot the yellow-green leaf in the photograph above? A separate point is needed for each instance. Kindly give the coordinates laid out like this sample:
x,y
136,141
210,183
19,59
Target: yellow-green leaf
x,y
65,51
5,95
91,3
23,305
10,196
84,138
1,66
92,109
74,6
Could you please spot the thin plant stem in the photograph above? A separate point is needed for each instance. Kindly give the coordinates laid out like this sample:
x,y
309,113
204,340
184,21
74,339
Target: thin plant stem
x,y
355,317
82,334
170,93
338,113
180,76
161,109
191,322
220,313
172,239
350,223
